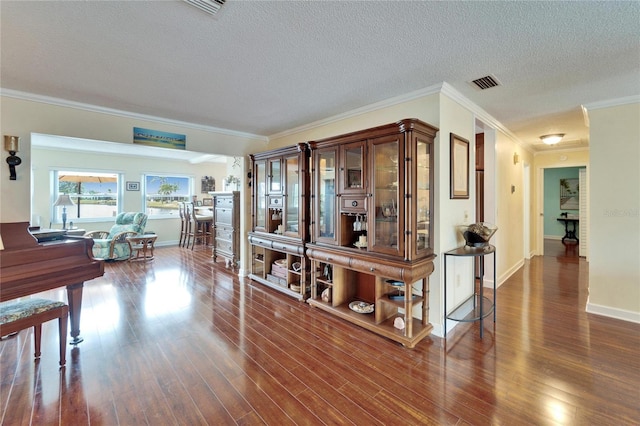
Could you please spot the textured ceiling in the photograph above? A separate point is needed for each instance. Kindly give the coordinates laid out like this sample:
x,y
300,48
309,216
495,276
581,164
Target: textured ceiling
x,y
263,67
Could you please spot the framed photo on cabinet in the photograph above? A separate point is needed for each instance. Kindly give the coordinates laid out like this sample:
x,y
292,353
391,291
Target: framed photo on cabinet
x,y
459,170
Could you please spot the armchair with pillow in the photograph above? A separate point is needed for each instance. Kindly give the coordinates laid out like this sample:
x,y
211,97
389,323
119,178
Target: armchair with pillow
x,y
112,245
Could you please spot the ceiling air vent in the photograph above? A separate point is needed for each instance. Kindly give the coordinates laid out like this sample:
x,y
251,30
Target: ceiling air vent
x,y
210,6
484,83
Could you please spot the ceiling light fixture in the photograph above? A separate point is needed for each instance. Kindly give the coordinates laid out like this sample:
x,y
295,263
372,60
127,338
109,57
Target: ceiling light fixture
x,y
552,139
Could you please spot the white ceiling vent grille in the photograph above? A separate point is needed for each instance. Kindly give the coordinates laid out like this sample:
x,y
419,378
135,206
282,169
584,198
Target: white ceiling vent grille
x,y
484,83
210,6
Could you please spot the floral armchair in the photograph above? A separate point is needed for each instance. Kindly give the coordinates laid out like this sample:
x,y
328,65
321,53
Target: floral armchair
x,y
113,245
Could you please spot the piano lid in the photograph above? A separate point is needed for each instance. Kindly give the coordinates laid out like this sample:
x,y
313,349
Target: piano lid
x,y
16,235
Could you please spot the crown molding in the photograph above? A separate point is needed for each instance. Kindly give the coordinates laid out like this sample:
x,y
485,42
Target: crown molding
x,y
482,115
442,88
126,114
634,99
431,90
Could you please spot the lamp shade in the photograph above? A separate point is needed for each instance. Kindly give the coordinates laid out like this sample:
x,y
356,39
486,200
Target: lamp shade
x,y
63,200
552,139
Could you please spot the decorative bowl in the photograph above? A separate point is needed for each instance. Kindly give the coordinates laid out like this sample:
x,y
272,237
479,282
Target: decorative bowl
x,y
361,307
477,234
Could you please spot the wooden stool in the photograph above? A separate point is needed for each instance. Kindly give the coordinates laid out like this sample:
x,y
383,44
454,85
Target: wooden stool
x,y
16,315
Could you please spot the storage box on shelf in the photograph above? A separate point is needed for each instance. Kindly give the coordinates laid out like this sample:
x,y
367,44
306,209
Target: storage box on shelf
x,y
280,209
372,226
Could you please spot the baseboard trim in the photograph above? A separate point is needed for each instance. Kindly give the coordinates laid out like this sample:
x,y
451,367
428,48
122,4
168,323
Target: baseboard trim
x,y
616,313
504,277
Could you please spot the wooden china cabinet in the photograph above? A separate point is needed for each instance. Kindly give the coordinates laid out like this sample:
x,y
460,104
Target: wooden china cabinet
x,y
280,214
371,248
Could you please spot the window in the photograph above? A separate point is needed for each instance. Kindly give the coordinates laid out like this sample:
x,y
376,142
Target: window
x,y
94,194
163,193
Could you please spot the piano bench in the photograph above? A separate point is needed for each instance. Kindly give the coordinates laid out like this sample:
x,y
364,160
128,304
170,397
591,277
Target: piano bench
x,y
17,315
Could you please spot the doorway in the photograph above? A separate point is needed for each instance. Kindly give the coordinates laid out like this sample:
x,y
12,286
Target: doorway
x,y
526,221
549,209
485,184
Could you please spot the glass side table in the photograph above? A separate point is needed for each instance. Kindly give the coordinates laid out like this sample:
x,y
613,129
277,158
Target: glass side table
x,y
477,307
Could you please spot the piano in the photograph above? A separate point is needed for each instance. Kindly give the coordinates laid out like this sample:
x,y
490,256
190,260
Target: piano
x,y
28,267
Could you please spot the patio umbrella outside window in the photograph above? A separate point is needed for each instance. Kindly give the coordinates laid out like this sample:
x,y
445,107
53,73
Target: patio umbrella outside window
x,y
88,178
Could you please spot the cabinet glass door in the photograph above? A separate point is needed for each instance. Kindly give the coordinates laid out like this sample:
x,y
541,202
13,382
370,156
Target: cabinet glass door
x,y
292,207
423,199
385,157
352,157
275,177
325,224
261,196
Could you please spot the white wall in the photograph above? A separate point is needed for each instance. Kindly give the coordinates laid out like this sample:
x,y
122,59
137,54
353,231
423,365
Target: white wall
x,y
450,214
614,210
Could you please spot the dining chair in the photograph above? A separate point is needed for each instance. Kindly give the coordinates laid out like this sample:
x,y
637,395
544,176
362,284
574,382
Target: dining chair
x,y
200,227
184,224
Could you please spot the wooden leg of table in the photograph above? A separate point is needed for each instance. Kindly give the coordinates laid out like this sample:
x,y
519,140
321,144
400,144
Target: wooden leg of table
x,y
130,250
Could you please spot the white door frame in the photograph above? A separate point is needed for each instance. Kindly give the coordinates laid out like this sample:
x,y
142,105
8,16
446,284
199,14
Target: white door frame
x,y
526,187
540,200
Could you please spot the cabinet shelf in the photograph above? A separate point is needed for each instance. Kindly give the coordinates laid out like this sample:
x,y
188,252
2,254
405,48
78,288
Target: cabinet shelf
x,y
390,219
400,302
384,328
323,280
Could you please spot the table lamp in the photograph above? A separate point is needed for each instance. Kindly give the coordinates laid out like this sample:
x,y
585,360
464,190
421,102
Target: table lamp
x,y
64,200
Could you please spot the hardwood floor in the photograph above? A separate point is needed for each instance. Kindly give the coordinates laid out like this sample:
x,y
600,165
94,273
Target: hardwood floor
x,y
178,340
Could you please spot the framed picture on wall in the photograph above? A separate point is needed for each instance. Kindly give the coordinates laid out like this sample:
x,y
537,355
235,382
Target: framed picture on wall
x,y
207,184
569,194
459,168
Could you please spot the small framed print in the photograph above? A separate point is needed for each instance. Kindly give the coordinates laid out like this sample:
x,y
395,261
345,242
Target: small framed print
x,y
459,170
133,186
